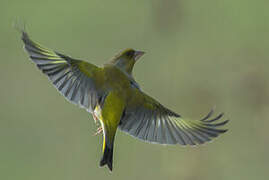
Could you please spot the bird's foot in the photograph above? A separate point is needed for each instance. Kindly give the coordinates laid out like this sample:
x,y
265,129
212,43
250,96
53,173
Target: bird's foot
x,y
99,131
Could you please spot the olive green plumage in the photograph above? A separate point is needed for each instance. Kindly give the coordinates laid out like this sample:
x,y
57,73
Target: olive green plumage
x,y
114,98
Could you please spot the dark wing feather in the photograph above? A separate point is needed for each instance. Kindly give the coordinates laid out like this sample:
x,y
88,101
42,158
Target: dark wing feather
x,y
148,120
75,79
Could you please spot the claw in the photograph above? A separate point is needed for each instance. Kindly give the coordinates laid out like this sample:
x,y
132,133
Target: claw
x,y
99,131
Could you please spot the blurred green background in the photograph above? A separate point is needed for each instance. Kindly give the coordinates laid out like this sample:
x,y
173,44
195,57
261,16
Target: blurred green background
x,y
199,54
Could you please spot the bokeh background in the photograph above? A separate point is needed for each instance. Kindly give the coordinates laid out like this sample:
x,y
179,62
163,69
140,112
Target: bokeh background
x,y
200,54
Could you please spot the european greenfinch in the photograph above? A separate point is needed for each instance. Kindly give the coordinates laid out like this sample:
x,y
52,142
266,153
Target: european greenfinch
x,y
111,94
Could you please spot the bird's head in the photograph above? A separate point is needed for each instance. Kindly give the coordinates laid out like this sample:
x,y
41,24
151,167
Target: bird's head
x,y
126,59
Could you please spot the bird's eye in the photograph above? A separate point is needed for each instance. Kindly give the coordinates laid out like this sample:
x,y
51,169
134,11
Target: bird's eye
x,y
134,85
130,53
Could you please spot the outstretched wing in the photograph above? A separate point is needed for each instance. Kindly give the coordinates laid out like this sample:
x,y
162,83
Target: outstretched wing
x,y
80,82
148,120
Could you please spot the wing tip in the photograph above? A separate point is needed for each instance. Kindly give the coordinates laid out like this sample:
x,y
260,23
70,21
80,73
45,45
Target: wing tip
x,y
20,26
205,130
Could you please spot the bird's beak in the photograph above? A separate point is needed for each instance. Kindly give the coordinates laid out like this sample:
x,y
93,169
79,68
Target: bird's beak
x,y
138,54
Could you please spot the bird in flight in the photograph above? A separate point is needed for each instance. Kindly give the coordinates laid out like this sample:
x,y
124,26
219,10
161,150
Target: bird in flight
x,y
113,97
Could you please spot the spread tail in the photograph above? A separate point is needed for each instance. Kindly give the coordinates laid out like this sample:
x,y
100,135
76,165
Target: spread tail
x,y
107,158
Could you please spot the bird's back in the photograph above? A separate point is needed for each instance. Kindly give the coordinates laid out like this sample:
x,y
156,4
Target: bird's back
x,y
116,80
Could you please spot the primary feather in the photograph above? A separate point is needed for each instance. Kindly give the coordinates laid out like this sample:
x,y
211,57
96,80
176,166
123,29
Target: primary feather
x,y
75,79
150,121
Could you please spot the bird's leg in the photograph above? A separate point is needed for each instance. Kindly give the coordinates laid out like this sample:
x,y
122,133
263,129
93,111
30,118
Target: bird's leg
x,y
99,131
95,118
